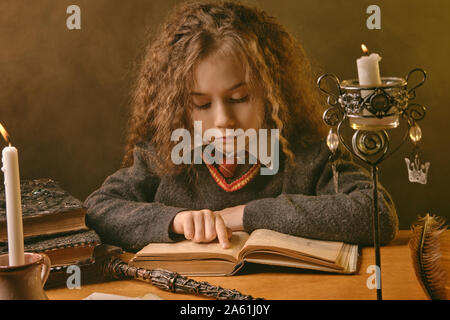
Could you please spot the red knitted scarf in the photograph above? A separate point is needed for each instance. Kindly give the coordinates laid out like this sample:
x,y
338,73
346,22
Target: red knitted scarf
x,y
223,174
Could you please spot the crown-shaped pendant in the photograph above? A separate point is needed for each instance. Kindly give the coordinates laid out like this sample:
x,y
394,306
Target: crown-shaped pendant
x,y
417,171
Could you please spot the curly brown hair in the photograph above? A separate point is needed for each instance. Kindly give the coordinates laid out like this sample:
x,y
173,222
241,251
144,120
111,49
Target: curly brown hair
x,y
274,61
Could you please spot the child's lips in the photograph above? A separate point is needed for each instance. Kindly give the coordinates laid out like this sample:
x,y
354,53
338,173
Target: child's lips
x,y
227,138
230,137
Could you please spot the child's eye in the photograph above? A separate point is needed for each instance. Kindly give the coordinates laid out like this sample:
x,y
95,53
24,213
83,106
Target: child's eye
x,y
203,106
232,100
243,99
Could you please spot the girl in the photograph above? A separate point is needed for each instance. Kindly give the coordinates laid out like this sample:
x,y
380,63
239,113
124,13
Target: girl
x,y
228,66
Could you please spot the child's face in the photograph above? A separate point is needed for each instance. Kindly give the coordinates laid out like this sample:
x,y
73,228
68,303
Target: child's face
x,y
222,99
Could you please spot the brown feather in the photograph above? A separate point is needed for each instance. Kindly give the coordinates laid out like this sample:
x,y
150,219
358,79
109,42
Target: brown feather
x,y
426,255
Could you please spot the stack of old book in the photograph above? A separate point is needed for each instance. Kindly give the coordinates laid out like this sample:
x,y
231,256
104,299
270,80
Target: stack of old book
x,y
54,224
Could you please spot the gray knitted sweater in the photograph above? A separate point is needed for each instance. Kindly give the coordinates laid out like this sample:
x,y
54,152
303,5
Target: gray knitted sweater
x,y
134,206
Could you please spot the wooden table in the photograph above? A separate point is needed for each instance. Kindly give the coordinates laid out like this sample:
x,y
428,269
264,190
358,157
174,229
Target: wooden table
x,y
398,279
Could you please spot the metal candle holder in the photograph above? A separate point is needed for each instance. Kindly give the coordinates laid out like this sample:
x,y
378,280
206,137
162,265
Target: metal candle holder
x,y
371,111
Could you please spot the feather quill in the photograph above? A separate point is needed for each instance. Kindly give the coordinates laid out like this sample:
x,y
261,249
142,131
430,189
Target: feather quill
x,y
426,255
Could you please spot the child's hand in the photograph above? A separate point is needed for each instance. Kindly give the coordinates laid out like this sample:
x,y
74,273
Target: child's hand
x,y
201,226
233,217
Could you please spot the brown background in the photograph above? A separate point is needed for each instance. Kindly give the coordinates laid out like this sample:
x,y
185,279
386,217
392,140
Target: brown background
x,y
64,93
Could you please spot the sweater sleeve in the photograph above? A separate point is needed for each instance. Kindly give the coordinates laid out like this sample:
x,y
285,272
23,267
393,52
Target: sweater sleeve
x,y
326,215
123,212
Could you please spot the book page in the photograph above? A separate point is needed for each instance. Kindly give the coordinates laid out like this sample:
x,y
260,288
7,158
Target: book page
x,y
290,262
202,267
108,296
189,250
263,238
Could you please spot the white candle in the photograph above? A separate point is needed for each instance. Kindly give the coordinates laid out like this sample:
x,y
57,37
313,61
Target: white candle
x,y
10,169
369,75
369,71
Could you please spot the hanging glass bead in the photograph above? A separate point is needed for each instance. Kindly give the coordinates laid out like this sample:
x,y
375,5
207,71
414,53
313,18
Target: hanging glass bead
x,y
415,133
332,141
333,144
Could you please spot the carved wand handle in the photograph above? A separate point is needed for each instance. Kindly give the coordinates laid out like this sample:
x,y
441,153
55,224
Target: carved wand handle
x,y
170,281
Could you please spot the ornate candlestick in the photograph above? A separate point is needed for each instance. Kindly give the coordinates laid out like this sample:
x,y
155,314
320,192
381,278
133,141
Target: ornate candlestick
x,y
370,111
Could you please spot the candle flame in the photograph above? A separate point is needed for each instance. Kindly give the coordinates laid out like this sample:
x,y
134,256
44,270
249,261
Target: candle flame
x,y
364,49
4,134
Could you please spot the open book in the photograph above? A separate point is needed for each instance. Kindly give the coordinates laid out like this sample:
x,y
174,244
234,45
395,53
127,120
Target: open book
x,y
261,246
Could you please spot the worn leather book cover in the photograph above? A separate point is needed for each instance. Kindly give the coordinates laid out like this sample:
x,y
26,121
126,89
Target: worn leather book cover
x,y
91,271
47,209
63,250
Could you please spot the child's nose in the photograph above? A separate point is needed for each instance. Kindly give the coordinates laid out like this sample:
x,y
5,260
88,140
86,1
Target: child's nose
x,y
223,117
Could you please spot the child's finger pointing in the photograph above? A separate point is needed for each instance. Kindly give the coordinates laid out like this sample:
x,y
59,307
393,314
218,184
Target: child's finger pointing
x,y
222,233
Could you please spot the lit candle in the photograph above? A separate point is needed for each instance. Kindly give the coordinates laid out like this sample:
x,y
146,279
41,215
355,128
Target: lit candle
x,y
10,169
368,70
369,75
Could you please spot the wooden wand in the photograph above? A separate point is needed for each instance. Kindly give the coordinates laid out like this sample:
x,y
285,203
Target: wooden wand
x,y
170,281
